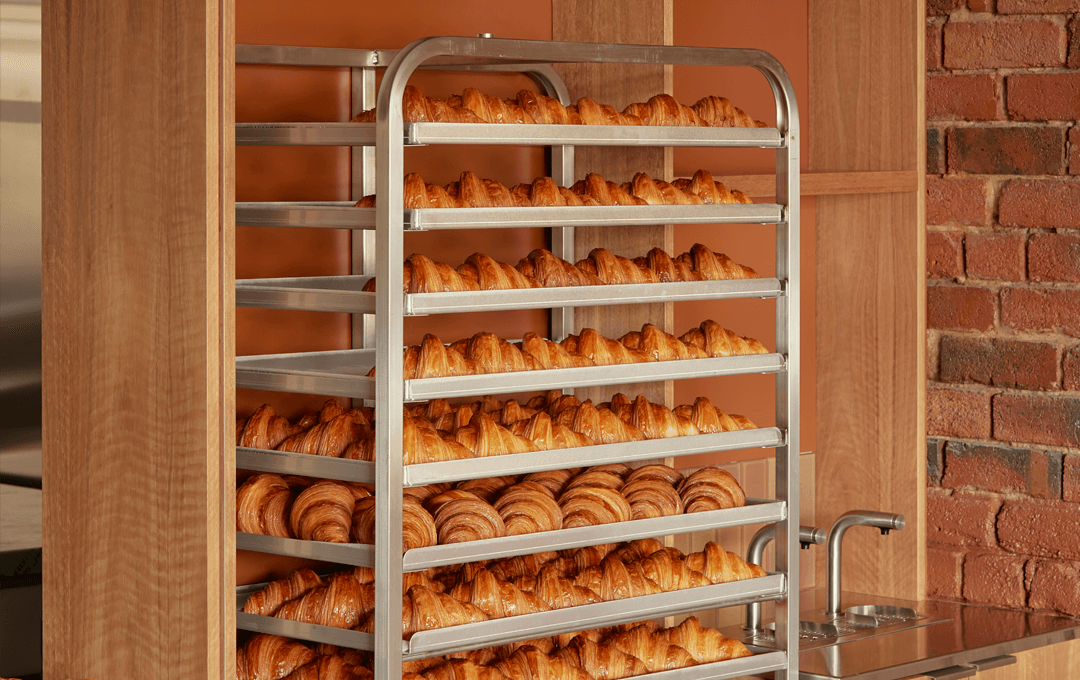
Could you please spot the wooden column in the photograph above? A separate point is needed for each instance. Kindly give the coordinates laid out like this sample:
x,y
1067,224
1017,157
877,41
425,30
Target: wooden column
x,y
643,22
866,115
137,231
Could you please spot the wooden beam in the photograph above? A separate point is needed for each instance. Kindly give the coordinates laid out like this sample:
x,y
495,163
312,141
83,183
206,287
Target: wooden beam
x,y
866,116
830,183
643,22
136,239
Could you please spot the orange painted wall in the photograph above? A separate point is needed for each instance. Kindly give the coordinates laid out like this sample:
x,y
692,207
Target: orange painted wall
x,y
267,93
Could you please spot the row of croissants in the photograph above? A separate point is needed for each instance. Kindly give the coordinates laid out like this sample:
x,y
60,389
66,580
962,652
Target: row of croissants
x,y
532,108
437,431
542,269
485,353
470,191
624,651
337,512
479,591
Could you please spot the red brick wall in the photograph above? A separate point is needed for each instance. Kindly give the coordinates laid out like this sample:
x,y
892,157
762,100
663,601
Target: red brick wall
x,y
1003,302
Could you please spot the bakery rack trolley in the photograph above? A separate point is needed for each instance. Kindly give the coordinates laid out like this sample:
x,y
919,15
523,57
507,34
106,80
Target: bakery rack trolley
x,y
379,249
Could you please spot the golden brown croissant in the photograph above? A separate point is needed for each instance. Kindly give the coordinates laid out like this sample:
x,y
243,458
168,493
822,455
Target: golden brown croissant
x,y
704,644
709,419
511,412
274,594
462,669
424,445
323,512
484,437
494,110
270,656
424,609
330,438
659,192
670,572
667,269
417,525
545,110
529,663
604,192
496,598
664,473
596,478
416,108
603,351
593,113
340,603
491,354
615,580
424,275
527,508
715,266
642,547
553,480
660,346
598,424
330,668
488,274
652,498
551,354
558,592
663,109
655,652
488,488
655,421
614,270
602,662
262,504
468,519
719,112
721,566
511,568
589,506
554,272
265,429
720,342
709,191
711,488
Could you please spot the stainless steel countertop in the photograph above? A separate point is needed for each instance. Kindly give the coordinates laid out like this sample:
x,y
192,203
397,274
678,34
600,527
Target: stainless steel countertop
x,y
954,634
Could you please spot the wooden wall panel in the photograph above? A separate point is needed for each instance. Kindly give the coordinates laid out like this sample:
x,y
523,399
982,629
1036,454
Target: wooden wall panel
x,y
135,229
866,115
1056,661
636,22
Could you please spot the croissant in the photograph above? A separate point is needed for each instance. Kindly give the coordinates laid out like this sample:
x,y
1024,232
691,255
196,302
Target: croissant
x,y
553,480
423,445
494,110
708,419
511,412
554,272
497,599
462,669
670,572
551,354
484,437
423,275
600,425
491,354
425,609
642,547
704,644
529,663
721,566
719,112
545,110
417,525
711,488
603,351
714,266
596,478
264,429
652,498
659,192
720,342
604,192
665,473
270,656
488,274
262,503
488,489
330,668
602,662
274,594
615,580
660,346
329,438
468,519
323,512
589,506
655,652
667,269
511,568
611,269
593,113
527,508
340,603
663,109
558,592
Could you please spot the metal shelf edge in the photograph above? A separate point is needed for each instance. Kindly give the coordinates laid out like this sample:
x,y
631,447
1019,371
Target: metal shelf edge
x,y
355,554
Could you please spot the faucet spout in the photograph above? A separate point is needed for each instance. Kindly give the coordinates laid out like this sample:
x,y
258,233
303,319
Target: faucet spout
x,y
885,521
755,553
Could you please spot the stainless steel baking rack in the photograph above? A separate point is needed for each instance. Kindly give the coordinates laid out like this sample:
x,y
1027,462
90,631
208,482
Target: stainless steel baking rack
x,y
756,511
378,150
343,373
421,474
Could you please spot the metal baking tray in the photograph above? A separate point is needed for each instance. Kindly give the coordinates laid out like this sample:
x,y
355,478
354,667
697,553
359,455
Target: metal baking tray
x,y
345,294
756,511
343,373
501,631
420,474
342,215
418,134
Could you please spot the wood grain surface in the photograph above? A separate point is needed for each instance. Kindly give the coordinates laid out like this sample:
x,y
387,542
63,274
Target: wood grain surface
x,y
638,22
829,183
866,115
1055,661
135,228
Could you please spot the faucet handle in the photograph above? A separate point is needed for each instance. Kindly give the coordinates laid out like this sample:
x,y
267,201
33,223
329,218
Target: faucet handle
x,y
811,536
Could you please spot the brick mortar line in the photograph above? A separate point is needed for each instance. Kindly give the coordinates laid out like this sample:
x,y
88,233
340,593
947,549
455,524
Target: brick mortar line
x,y
1004,70
968,16
1041,448
1009,285
1066,342
944,124
994,391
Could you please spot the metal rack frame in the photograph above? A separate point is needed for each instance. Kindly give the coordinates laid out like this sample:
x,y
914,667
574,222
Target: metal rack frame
x,y
378,249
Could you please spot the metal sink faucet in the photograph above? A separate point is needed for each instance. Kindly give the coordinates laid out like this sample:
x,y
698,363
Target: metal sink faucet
x,y
885,521
755,552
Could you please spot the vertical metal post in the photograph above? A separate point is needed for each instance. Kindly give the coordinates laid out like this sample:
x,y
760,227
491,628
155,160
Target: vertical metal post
x,y
787,382
389,386
363,184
